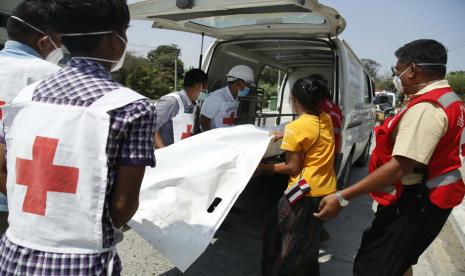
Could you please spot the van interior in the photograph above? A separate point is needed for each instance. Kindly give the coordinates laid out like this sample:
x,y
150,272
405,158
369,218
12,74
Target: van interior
x,y
285,60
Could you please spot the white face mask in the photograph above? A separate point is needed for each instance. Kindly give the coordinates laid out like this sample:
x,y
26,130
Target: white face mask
x,y
54,56
398,82
202,96
117,64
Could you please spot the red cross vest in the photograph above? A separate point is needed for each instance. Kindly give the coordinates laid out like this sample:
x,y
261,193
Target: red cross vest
x,y
57,171
336,118
183,122
444,181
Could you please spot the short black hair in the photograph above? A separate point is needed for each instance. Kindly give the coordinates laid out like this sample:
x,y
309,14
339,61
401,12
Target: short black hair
x,y
195,76
424,51
87,16
34,12
309,92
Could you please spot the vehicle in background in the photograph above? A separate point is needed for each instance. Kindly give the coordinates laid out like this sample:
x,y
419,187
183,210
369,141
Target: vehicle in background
x,y
290,38
386,103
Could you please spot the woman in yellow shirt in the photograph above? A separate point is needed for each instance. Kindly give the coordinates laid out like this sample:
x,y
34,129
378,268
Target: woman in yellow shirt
x,y
292,235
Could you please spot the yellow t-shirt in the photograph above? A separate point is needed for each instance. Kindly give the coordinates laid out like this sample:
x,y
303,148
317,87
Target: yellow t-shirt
x,y
301,135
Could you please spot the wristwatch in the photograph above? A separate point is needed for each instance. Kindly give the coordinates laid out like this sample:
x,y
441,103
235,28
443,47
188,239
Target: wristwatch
x,y
342,201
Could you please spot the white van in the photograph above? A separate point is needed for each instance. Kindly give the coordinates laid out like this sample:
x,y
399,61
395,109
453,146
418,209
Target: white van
x,y
295,37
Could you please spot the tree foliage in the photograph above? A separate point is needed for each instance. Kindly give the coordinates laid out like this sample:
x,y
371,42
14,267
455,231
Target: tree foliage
x,y
457,82
385,83
372,67
163,59
152,76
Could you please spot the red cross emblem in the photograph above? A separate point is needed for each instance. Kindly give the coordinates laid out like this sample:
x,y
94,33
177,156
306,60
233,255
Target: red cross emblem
x,y
188,133
229,121
2,103
40,176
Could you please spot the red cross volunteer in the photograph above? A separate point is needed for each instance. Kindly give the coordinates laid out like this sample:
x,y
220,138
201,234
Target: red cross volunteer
x,y
58,179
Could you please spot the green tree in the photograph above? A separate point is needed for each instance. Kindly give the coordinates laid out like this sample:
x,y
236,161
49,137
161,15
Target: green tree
x,y
269,75
163,58
131,62
385,83
372,67
145,81
457,82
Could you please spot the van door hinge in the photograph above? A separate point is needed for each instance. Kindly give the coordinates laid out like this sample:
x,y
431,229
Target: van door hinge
x,y
185,4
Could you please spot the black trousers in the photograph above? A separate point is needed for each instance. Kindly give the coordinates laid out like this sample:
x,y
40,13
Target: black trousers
x,y
399,234
291,239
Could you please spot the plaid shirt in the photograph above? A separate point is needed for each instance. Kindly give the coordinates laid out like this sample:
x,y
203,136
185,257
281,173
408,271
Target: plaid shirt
x,y
130,142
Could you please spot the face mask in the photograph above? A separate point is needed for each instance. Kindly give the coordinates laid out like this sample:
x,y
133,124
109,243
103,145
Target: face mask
x,y
117,64
398,82
244,92
202,96
54,56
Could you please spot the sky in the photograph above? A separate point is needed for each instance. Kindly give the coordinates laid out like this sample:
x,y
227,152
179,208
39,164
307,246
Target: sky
x,y
375,29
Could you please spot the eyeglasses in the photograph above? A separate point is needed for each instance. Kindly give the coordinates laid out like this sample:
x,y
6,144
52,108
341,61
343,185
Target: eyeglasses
x,y
395,70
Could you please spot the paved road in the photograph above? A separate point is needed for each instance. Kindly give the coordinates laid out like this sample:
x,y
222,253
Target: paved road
x,y
236,249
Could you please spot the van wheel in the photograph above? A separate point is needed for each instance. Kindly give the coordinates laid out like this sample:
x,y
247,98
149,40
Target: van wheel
x,y
363,159
343,181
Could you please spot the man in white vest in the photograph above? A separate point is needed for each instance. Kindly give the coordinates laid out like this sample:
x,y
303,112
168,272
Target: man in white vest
x,y
176,111
77,147
30,54
220,108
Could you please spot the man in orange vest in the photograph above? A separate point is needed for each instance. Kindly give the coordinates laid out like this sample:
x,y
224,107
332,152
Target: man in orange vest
x,y
414,168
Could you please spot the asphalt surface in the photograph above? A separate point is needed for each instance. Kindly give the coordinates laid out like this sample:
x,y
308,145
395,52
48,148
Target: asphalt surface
x,y
236,248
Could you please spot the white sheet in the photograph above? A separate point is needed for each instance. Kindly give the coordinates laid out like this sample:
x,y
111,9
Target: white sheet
x,y
190,174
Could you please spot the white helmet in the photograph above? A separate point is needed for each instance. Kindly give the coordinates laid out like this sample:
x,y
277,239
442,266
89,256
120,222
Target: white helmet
x,y
242,72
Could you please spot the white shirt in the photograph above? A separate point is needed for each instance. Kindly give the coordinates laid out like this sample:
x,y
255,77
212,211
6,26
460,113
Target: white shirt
x,y
211,106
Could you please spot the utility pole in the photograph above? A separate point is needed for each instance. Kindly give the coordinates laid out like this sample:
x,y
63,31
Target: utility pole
x,y
176,70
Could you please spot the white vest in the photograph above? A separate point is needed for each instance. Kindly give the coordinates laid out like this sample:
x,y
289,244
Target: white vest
x,y
183,123
57,171
227,114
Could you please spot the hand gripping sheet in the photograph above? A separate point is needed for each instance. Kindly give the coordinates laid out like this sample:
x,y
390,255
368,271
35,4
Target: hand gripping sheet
x,y
190,175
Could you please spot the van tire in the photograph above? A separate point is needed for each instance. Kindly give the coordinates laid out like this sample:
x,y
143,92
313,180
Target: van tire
x,y
343,181
362,161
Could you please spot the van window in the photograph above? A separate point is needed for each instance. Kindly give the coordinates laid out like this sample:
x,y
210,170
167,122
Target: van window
x,y
229,21
269,82
3,20
269,85
368,91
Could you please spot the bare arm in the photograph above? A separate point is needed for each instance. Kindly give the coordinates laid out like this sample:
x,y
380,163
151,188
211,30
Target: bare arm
x,y
292,166
2,169
386,175
125,195
158,140
205,123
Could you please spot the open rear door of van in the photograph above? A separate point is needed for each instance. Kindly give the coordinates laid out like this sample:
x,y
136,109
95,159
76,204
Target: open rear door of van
x,y
226,19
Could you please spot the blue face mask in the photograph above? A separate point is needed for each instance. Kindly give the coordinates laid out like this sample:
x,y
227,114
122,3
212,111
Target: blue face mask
x,y
244,92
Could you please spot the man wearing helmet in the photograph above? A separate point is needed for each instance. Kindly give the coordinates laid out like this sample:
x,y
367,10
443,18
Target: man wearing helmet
x,y
220,108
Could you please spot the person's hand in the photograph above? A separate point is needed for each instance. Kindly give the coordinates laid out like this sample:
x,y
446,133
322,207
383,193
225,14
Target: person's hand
x,y
277,135
329,208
